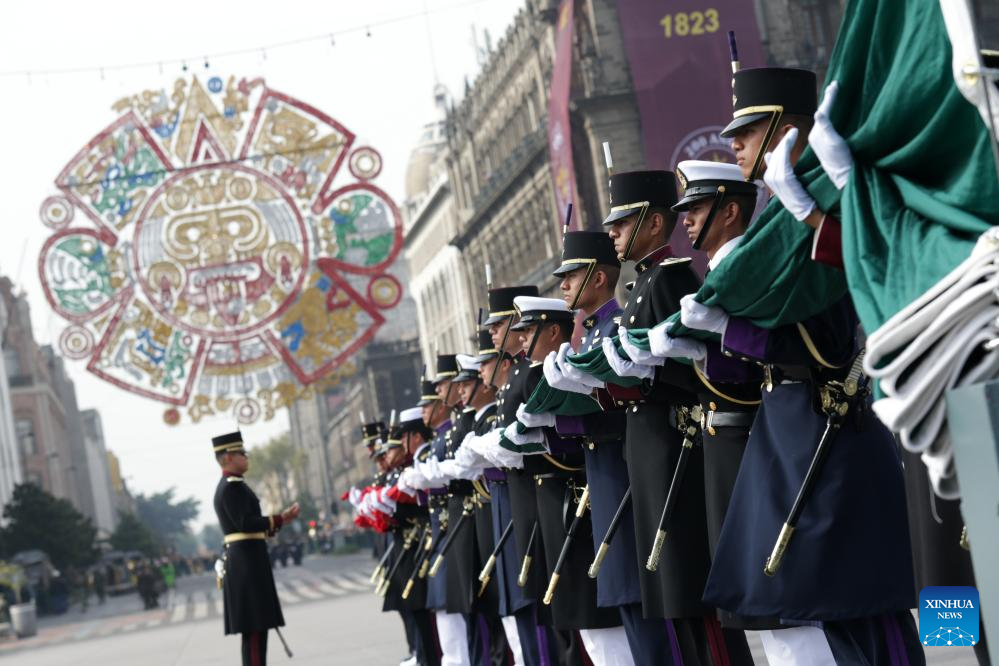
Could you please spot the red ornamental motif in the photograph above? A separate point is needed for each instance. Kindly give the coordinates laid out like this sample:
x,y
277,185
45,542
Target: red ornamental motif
x,y
209,252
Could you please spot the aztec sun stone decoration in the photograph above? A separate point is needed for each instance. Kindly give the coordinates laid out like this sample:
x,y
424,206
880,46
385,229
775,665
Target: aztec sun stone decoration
x,y
209,250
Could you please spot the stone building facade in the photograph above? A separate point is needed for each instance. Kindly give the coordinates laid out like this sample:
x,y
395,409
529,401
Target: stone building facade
x,y
47,423
10,453
485,195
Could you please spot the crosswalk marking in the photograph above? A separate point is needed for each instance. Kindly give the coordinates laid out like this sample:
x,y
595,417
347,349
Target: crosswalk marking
x,y
295,586
303,588
286,595
345,582
201,607
180,610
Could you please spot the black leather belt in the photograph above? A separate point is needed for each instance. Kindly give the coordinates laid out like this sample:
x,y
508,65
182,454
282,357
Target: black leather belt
x,y
727,419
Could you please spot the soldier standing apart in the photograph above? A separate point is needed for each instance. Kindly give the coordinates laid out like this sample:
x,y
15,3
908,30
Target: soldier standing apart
x,y
251,601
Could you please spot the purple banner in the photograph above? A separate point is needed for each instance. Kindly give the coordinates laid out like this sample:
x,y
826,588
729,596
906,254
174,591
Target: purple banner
x,y
682,74
559,133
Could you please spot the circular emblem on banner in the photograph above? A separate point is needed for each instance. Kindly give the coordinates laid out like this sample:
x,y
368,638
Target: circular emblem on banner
x,y
706,144
208,249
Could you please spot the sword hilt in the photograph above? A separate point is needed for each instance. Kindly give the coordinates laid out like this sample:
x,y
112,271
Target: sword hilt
x,y
525,569
482,587
777,556
550,592
657,550
407,589
425,567
376,574
598,560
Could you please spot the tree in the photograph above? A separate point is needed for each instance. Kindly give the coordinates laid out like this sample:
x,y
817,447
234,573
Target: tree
x,y
36,519
132,534
164,515
273,465
211,537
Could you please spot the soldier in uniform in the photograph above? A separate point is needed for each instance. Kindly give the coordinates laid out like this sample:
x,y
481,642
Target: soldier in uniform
x,y
251,602
513,491
589,272
487,644
848,568
451,627
559,479
658,417
409,442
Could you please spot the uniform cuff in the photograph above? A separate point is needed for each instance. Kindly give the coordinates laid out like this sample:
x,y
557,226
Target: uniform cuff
x,y
827,242
745,340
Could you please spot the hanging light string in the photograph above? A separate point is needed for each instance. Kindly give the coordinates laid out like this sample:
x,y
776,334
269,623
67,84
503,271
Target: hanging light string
x,y
262,50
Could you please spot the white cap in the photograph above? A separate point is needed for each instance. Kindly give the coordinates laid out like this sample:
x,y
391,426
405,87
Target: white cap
x,y
411,414
537,304
691,171
468,363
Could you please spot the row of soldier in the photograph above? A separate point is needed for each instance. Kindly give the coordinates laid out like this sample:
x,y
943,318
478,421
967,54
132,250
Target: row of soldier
x,y
724,483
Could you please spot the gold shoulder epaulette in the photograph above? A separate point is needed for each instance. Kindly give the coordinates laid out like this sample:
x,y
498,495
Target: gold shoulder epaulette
x,y
675,261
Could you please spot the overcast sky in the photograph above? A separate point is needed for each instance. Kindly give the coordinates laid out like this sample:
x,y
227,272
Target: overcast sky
x,y
379,86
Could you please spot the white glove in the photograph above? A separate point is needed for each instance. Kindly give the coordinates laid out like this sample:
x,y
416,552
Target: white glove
x,y
639,356
557,380
781,180
354,497
828,144
622,367
467,462
529,436
702,317
534,420
404,485
665,346
573,373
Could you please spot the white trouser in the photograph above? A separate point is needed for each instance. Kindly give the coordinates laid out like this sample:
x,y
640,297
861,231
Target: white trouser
x,y
513,639
607,647
453,636
797,646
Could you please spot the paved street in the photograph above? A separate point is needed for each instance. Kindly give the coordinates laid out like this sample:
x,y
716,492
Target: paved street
x,y
331,616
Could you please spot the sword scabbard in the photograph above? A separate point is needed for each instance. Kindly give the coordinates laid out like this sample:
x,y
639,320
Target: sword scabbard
x,y
777,556
598,560
657,549
550,592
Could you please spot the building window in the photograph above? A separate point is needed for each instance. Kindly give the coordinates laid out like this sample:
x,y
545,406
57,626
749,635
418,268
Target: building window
x,y
12,360
25,429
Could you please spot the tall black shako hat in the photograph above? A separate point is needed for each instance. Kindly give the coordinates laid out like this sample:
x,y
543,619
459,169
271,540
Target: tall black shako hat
x,y
447,367
501,302
581,249
487,350
759,92
228,443
633,191
427,393
371,433
769,93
